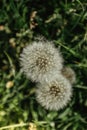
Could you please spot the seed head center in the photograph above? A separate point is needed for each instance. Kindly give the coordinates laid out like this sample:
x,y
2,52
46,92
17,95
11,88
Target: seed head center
x,y
42,62
54,90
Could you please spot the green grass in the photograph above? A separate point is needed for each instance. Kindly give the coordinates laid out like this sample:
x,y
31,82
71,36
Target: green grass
x,y
63,21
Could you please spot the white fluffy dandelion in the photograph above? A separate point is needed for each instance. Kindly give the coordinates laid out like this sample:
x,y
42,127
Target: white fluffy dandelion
x,y
69,74
55,94
41,60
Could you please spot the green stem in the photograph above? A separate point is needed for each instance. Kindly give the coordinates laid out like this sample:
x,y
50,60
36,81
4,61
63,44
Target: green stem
x,y
82,87
14,126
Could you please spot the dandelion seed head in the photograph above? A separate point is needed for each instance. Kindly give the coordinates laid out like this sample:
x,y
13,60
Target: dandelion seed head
x,y
55,94
40,60
69,74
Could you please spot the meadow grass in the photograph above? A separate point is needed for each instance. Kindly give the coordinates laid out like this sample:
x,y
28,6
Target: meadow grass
x,y
65,23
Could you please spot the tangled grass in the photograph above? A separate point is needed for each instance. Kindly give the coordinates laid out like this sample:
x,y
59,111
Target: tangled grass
x,y
21,21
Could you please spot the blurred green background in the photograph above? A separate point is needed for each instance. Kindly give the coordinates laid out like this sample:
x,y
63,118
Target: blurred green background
x,y
65,22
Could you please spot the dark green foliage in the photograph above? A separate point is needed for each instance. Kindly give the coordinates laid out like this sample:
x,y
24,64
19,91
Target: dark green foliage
x,y
63,21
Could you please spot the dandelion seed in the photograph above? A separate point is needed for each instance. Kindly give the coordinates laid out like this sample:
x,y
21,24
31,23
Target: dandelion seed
x,y
55,94
41,60
69,74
